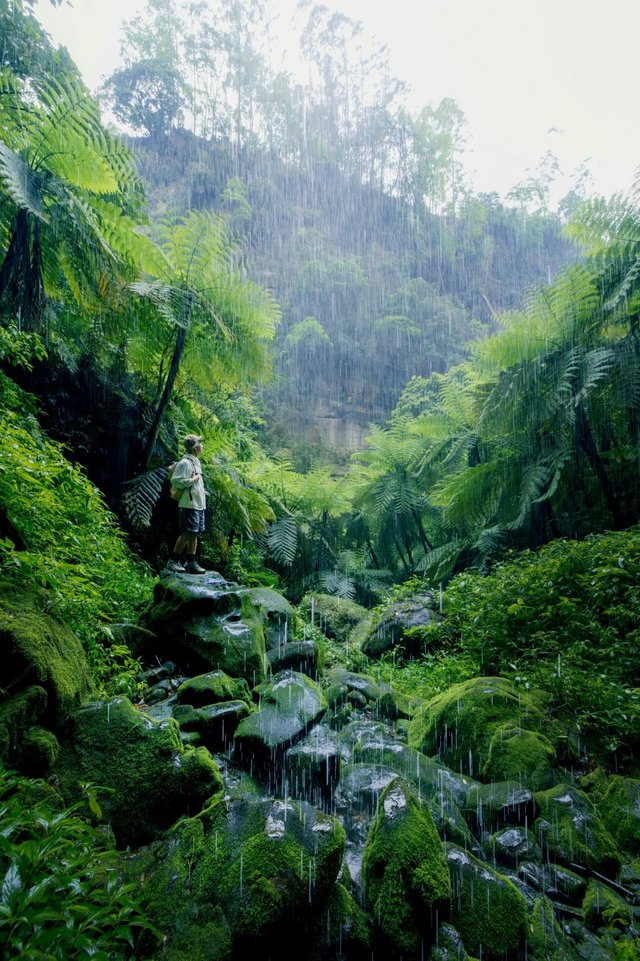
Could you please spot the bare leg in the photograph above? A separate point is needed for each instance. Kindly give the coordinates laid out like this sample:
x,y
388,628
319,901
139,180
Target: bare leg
x,y
186,541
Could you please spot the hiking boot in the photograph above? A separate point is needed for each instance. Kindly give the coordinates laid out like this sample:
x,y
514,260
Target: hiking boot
x,y
176,567
192,567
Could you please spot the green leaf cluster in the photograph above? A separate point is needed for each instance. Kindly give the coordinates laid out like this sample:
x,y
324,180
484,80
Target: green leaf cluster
x,y
61,893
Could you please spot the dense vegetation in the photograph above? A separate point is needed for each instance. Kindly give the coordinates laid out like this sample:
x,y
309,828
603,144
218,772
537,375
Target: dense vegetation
x,y
502,470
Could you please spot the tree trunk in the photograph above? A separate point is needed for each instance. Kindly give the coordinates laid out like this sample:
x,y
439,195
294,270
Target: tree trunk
x,y
163,403
587,442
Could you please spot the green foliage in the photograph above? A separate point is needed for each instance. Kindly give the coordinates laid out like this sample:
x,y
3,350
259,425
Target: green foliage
x,y
564,619
62,894
61,535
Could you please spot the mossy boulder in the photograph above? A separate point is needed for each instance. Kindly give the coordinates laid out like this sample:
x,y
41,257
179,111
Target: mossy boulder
x,y
289,705
340,684
301,656
45,676
211,688
459,724
312,766
619,809
546,941
448,946
215,724
205,622
486,908
343,930
558,882
335,616
395,631
503,802
570,831
603,908
516,754
153,778
404,870
513,845
268,867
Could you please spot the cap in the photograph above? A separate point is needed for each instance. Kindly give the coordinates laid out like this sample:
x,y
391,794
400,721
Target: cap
x,y
191,441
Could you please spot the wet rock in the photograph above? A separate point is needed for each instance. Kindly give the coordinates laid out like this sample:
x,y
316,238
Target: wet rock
x,y
555,881
209,623
516,754
335,616
211,688
450,823
393,706
603,908
448,945
404,869
569,830
160,673
215,724
391,633
162,690
278,614
343,930
153,777
586,945
486,908
511,846
289,705
301,656
619,809
546,940
312,766
458,725
506,802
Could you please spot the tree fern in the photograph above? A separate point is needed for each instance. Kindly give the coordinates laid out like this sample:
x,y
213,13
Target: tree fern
x,y
141,495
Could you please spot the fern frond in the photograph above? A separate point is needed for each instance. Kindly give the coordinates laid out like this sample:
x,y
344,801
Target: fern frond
x,y
282,540
141,495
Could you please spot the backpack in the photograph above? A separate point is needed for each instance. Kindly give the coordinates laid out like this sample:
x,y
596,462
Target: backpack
x,y
175,492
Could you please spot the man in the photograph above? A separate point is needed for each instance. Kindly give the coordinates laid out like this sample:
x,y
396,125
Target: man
x,y
187,477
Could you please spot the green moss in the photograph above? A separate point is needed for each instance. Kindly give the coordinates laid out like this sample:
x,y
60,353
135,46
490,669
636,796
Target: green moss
x,y
154,779
212,688
404,869
516,754
603,908
486,908
458,724
335,616
39,649
545,938
619,809
39,750
18,712
449,946
569,829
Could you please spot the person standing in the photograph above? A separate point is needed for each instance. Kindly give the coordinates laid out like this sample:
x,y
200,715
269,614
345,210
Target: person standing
x,y
187,477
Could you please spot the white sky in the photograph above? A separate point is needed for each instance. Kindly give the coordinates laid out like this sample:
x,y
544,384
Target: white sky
x,y
517,69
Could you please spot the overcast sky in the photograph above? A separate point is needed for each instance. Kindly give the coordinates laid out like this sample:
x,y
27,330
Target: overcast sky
x,y
529,75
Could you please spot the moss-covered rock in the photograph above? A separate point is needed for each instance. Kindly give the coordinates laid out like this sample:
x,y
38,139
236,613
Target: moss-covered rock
x,y
404,870
486,908
215,724
312,766
557,881
570,831
44,669
458,725
448,946
37,752
516,754
546,940
301,656
212,688
394,631
503,802
343,930
511,846
154,780
207,622
604,908
289,705
619,809
335,616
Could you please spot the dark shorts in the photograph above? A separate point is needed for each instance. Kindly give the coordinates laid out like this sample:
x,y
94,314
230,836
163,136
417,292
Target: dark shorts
x,y
190,520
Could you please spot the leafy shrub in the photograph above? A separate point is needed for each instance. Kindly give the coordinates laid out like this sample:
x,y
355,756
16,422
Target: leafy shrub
x,y
60,535
61,893
566,619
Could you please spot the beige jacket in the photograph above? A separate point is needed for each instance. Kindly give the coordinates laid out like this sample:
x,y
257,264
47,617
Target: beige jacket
x,y
194,496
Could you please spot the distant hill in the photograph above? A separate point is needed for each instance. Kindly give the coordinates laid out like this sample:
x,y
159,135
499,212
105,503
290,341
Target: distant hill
x,y
372,290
